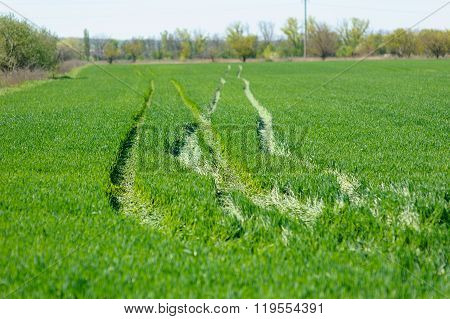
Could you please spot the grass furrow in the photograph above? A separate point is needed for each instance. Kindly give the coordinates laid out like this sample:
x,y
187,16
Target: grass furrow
x,y
192,154
265,127
124,196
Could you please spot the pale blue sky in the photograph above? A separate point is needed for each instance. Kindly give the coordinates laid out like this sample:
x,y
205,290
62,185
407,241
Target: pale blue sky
x,y
126,18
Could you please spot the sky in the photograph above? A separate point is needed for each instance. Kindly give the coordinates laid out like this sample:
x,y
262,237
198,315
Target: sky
x,y
123,19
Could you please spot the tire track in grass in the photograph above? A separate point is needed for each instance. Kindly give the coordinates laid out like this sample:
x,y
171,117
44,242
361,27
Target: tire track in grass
x,y
265,123
191,154
349,188
124,197
348,185
228,181
239,72
286,202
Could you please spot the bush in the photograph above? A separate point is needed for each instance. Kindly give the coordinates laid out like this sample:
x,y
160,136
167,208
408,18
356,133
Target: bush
x,y
345,51
269,53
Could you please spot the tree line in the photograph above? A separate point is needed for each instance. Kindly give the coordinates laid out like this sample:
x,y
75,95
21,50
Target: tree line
x,y
351,38
25,47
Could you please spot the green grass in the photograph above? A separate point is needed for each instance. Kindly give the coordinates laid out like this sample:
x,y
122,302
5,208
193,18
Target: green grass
x,y
358,207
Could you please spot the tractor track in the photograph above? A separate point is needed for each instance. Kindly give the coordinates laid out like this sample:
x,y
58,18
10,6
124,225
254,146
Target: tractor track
x,y
227,180
124,197
266,133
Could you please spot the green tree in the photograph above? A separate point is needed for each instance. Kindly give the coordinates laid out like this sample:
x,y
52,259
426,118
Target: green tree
x,y
294,36
87,44
165,49
199,44
372,43
241,43
111,50
269,52
434,42
351,34
184,37
134,49
402,43
22,46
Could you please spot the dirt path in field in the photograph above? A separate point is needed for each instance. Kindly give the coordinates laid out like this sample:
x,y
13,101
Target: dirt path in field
x,y
124,196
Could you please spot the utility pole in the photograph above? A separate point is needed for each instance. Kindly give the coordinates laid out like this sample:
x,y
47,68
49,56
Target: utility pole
x,y
305,36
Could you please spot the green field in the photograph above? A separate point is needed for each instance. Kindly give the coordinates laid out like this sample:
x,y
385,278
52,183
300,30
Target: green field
x,y
218,181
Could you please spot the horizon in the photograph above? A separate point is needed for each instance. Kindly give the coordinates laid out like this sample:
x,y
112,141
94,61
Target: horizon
x,y
69,19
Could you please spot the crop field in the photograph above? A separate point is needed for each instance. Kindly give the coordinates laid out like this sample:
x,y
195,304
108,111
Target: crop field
x,y
228,181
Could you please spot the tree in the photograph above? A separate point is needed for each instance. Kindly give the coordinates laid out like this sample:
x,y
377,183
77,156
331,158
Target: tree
x,y
323,41
69,49
133,49
267,30
87,44
24,47
243,45
184,38
351,34
199,44
294,36
111,50
435,43
166,45
97,44
372,44
402,43
214,47
269,52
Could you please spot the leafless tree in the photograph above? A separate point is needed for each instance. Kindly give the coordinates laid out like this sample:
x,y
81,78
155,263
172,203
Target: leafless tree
x,y
323,40
267,30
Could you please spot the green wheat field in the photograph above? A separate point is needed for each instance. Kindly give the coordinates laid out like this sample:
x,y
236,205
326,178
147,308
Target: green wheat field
x,y
228,181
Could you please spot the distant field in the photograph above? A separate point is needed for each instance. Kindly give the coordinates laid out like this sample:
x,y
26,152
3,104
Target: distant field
x,y
228,181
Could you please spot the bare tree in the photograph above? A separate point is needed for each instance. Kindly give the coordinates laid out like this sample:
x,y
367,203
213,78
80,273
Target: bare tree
x,y
323,40
267,30
214,47
98,43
